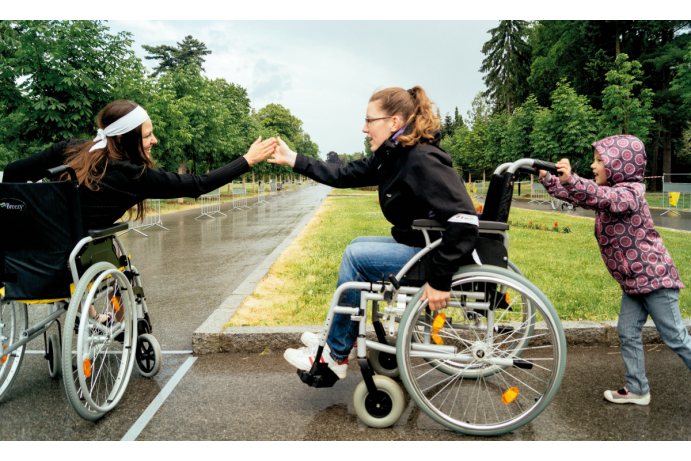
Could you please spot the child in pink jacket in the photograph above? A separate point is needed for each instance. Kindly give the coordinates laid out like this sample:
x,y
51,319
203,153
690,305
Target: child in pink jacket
x,y
632,251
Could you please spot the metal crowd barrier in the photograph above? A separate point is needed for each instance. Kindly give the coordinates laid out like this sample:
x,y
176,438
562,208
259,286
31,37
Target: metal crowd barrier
x,y
273,190
211,204
678,195
239,197
152,218
479,185
261,195
538,194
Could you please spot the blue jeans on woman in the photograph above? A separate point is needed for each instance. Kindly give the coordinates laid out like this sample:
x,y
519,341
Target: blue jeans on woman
x,y
365,259
663,307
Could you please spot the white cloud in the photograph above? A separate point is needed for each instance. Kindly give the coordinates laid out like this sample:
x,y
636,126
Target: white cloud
x,y
326,71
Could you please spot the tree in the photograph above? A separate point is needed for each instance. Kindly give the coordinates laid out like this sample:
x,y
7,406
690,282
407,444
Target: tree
x,y
479,109
59,74
457,120
519,130
447,126
306,147
507,65
566,129
190,52
332,157
622,112
279,119
368,149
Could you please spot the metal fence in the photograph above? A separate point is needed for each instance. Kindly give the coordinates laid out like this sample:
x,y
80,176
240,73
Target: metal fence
x,y
211,204
261,195
239,197
273,190
677,195
538,194
152,218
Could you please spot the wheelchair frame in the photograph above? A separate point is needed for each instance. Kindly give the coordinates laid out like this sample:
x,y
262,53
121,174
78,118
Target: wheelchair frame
x,y
480,364
135,323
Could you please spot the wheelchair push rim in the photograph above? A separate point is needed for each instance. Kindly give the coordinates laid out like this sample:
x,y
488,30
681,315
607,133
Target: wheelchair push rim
x,y
508,387
13,320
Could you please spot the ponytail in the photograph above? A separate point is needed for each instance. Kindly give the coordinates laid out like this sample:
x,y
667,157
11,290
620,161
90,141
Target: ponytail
x,y
415,108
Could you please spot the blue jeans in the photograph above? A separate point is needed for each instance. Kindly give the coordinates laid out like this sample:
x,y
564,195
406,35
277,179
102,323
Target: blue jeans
x,y
663,307
363,261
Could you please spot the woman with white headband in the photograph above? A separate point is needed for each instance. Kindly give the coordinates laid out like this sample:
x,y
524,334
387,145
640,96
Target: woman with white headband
x,y
115,170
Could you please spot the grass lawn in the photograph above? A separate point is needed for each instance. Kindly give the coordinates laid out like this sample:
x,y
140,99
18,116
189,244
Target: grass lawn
x,y
353,192
568,268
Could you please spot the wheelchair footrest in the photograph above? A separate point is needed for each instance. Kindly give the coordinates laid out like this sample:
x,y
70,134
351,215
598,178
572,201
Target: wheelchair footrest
x,y
323,377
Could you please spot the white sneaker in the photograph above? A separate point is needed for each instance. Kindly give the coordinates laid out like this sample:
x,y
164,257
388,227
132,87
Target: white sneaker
x,y
312,340
624,396
303,359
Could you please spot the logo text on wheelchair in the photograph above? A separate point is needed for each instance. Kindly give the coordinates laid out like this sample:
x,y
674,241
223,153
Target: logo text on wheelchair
x,y
12,204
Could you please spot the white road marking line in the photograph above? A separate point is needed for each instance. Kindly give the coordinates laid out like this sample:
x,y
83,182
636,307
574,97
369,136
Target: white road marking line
x,y
153,407
162,352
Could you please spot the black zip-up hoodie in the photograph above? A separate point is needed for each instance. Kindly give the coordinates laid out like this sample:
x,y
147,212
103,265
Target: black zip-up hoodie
x,y
415,182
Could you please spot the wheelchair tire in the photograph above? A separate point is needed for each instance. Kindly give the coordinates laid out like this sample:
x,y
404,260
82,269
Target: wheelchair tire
x,y
13,320
487,404
383,409
148,356
103,353
53,356
383,363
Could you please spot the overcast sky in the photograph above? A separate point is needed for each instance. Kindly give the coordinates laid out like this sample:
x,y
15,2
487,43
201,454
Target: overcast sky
x,y
326,71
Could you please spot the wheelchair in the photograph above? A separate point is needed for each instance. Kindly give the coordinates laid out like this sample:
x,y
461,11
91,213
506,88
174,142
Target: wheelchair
x,y
45,259
488,363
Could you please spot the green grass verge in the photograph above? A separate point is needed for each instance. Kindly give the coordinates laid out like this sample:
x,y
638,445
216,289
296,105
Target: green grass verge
x,y
568,268
353,192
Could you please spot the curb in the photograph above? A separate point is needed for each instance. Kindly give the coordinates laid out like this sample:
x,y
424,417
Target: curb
x,y
279,338
207,338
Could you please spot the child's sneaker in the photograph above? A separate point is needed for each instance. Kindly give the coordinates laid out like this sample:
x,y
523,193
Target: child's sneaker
x,y
624,396
303,359
312,340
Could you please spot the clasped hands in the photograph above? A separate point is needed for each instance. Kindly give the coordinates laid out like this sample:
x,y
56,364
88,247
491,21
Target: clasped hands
x,y
262,150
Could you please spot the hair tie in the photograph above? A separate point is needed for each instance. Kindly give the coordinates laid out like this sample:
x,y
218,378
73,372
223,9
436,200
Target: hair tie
x,y
410,92
123,125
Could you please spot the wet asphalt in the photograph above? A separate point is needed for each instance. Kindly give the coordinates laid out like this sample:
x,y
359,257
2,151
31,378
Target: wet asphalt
x,y
189,270
260,397
680,221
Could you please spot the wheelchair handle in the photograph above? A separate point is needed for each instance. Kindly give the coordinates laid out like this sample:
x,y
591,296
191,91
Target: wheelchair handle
x,y
540,165
58,170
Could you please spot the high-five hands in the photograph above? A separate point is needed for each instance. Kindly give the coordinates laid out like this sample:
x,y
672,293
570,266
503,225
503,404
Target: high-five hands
x,y
283,155
437,299
563,167
260,150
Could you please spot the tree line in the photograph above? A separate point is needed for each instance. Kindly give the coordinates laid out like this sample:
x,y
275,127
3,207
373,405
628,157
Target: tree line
x,y
56,75
554,87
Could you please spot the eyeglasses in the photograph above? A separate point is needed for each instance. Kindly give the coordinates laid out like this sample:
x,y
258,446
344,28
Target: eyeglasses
x,y
368,121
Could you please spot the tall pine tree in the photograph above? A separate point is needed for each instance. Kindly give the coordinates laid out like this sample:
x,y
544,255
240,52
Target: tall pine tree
x,y
190,51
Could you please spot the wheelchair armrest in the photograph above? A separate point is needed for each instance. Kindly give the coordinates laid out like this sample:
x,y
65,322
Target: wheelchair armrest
x,y
114,229
436,225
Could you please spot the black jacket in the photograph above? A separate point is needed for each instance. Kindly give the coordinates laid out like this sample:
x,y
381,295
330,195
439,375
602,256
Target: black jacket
x,y
124,183
416,182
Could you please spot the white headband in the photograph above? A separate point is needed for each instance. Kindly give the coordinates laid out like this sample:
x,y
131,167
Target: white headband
x,y
121,126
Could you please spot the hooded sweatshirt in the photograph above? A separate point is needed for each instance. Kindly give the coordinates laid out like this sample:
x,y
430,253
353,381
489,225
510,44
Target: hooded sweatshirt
x,y
630,246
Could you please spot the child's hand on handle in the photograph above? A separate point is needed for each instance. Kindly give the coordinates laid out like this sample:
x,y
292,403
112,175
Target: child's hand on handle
x,y
437,299
564,168
283,155
260,150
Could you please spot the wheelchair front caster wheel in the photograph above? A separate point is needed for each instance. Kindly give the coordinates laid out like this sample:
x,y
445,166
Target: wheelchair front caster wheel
x,y
383,408
383,363
53,356
148,356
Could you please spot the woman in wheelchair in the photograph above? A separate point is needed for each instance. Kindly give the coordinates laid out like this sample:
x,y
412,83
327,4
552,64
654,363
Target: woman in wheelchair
x,y
416,180
115,170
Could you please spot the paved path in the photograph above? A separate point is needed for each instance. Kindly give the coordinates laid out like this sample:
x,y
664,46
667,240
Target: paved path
x,y
253,397
669,221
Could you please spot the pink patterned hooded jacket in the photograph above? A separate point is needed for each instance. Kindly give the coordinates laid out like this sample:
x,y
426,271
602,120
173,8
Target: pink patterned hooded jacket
x,y
630,246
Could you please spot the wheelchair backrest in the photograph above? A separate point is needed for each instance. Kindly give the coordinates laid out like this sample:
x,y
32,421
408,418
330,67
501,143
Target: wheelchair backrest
x,y
40,224
498,200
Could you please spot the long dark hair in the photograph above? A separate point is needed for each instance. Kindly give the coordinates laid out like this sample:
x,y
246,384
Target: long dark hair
x,y
416,109
91,166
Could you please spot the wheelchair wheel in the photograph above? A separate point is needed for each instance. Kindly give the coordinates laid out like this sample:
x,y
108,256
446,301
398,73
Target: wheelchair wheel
x,y
53,356
383,363
382,409
148,356
13,320
513,375
99,353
